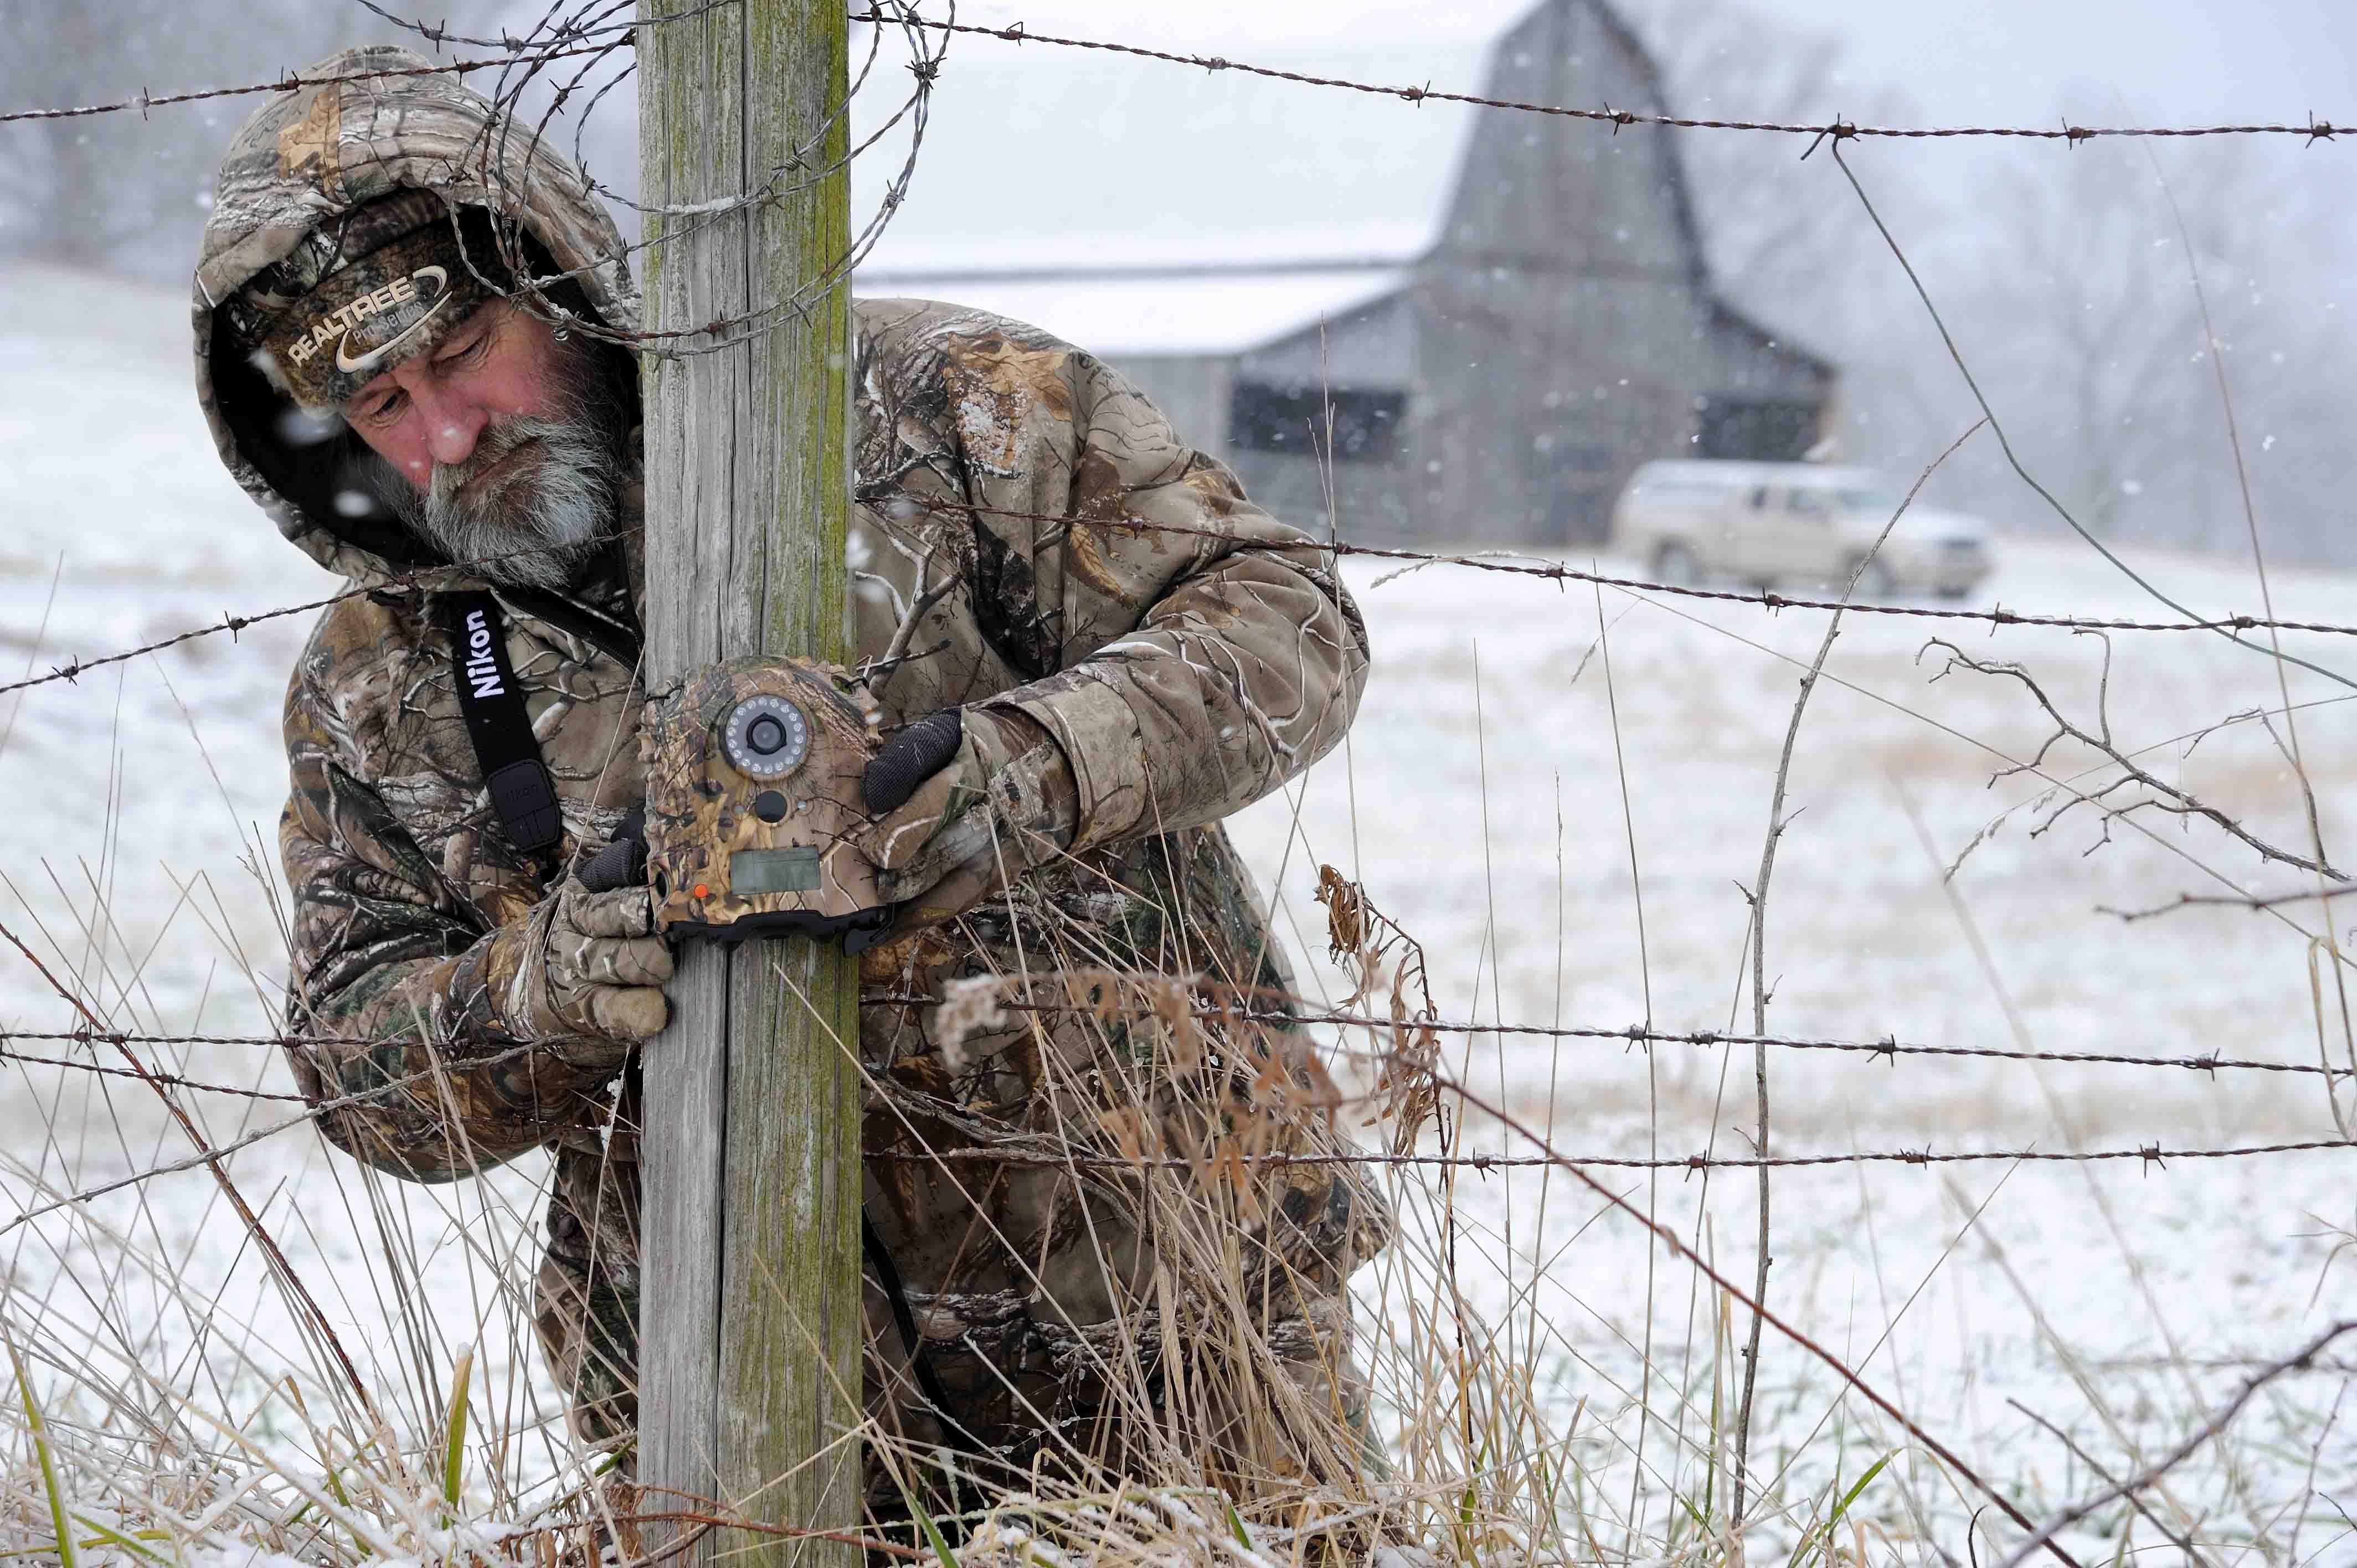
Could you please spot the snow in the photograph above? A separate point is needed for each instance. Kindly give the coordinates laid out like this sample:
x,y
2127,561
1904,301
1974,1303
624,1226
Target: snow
x,y
1480,802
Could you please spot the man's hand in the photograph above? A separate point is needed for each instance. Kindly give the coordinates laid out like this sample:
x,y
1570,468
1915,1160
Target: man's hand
x,y
966,800
590,974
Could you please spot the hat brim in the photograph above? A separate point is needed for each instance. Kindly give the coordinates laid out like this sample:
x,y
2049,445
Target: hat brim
x,y
370,314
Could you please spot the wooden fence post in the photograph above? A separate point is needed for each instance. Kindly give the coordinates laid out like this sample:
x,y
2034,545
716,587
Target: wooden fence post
x,y
749,1311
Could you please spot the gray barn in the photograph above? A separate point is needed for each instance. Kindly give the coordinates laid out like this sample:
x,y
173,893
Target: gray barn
x,y
1446,324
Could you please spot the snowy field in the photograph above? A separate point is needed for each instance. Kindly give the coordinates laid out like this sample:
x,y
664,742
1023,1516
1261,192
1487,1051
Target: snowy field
x,y
1562,793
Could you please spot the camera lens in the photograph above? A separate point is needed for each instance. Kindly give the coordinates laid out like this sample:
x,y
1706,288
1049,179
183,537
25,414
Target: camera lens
x,y
767,736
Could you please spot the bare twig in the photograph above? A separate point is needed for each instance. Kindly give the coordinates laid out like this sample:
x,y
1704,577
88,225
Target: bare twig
x,y
2163,796
1758,898
1680,1250
284,1272
2177,1537
2043,1536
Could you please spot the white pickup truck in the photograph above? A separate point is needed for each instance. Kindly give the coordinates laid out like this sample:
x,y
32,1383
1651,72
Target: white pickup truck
x,y
1805,523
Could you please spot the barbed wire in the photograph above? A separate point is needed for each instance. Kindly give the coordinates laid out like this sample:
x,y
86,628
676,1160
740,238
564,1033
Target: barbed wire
x,y
439,33
395,582
216,1152
1888,1048
1636,1034
167,1079
1997,617
1556,572
2152,1153
146,101
2311,131
2315,130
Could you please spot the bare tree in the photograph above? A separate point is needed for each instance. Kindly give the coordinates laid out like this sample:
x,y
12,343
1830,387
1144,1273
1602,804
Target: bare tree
x,y
1786,241
2065,276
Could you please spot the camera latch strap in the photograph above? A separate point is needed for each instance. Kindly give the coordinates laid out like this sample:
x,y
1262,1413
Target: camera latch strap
x,y
497,725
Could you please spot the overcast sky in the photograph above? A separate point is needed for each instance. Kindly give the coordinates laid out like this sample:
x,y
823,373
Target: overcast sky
x,y
2275,60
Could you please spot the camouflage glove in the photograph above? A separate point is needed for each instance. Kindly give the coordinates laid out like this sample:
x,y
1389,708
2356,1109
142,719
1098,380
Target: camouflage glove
x,y
590,974
967,800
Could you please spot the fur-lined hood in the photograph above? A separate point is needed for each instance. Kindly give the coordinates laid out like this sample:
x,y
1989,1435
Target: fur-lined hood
x,y
384,120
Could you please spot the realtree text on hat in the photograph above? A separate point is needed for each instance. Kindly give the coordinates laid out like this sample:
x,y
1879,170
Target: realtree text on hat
x,y
361,294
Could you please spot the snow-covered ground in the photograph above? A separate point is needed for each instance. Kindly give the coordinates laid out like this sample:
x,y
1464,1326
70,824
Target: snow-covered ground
x,y
1522,743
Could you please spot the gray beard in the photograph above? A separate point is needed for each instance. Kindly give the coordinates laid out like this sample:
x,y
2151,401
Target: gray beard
x,y
532,525
535,524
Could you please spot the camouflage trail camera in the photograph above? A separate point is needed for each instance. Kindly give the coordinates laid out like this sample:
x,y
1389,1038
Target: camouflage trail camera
x,y
753,772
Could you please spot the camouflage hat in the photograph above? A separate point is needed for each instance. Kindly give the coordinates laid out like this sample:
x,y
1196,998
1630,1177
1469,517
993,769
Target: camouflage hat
x,y
359,294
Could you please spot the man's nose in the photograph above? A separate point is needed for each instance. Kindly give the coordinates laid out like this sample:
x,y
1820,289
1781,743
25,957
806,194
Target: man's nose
x,y
453,423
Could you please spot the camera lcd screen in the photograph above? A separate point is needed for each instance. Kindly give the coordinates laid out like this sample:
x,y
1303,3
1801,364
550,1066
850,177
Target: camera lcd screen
x,y
773,871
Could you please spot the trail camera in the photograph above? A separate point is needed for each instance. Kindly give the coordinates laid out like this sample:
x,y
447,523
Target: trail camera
x,y
753,771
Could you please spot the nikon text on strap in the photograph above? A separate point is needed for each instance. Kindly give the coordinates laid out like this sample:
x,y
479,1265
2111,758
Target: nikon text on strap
x,y
506,750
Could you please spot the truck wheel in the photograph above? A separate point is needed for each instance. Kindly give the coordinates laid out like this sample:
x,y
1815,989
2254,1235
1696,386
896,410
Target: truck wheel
x,y
1674,563
1874,581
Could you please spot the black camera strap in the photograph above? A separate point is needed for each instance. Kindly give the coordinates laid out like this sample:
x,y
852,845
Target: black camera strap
x,y
499,725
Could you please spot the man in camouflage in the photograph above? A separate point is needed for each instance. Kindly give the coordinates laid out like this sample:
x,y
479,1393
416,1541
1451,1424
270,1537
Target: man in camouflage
x,y
1119,679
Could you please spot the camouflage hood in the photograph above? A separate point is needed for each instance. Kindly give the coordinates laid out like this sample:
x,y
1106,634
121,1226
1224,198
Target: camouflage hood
x,y
384,120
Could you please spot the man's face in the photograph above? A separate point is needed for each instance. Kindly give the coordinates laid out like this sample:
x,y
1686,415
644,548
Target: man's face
x,y
502,446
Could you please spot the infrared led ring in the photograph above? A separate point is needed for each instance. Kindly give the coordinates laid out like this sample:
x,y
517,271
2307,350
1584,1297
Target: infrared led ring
x,y
767,738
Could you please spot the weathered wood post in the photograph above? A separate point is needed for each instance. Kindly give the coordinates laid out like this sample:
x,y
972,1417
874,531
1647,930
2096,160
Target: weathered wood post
x,y
749,1311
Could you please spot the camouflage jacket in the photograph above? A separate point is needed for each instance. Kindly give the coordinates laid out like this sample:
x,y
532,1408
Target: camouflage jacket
x,y
1185,674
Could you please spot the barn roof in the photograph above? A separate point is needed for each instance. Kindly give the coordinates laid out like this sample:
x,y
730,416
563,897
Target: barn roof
x,y
1160,312
1045,157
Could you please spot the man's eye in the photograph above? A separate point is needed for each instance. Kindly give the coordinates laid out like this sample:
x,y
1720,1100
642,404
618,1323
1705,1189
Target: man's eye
x,y
467,352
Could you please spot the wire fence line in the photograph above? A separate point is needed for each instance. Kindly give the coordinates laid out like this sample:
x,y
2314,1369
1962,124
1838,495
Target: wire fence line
x,y
145,101
602,37
1542,571
2151,1154
1152,1002
1889,1050
402,581
1555,572
525,50
1236,1153
2313,130
167,1080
